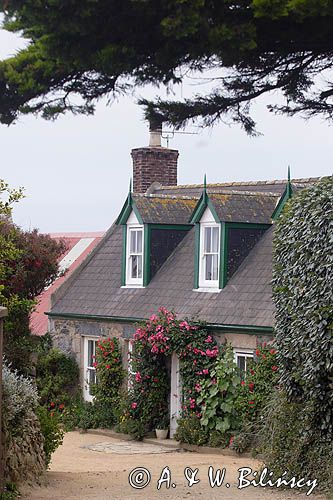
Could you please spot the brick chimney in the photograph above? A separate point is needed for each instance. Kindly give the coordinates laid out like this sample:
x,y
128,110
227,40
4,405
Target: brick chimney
x,y
154,163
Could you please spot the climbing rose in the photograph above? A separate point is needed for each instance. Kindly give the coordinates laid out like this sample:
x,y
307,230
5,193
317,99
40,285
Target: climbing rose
x,y
274,368
134,405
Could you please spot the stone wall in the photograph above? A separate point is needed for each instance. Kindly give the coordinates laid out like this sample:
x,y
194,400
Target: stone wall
x,y
68,336
24,453
242,340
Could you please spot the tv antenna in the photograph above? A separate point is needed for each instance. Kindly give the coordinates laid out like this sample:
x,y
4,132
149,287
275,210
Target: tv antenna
x,y
169,134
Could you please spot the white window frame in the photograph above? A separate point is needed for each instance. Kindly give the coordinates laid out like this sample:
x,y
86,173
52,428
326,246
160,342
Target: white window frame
x,y
130,371
243,352
133,282
211,285
88,369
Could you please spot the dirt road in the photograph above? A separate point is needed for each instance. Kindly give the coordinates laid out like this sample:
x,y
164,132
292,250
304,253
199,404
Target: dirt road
x,y
91,466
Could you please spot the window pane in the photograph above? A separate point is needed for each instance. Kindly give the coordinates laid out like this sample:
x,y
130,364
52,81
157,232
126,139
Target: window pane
x,y
241,363
139,262
139,241
208,271
133,242
207,241
91,352
134,266
215,239
91,379
215,267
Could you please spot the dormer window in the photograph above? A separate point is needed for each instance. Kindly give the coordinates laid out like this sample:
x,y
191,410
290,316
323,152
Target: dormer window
x,y
135,255
134,252
209,259
210,255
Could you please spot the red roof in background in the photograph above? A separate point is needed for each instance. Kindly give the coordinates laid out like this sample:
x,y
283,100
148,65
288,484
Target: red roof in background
x,y
79,245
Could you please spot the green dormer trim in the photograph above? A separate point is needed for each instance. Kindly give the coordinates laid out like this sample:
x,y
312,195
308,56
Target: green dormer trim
x,y
287,194
201,206
128,206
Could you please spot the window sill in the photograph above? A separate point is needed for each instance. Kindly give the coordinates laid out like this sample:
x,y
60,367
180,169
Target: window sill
x,y
132,286
207,289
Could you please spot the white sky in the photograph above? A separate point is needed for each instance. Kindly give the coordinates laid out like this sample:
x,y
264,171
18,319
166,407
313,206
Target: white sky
x,y
76,170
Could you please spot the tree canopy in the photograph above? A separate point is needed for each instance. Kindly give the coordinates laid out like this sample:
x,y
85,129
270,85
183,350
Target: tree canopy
x,y
82,50
28,263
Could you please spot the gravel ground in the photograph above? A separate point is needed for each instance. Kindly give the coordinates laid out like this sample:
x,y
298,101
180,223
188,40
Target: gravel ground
x,y
89,466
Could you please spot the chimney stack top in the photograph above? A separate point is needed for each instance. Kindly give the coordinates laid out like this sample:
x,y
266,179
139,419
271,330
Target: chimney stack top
x,y
155,129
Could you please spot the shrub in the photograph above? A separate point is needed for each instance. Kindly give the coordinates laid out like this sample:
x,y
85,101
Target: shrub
x,y
218,396
190,431
57,377
288,448
52,431
19,396
303,297
110,376
154,340
258,383
302,418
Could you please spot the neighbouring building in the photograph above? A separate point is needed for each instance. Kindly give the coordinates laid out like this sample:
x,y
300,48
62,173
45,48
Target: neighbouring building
x,y
204,251
78,247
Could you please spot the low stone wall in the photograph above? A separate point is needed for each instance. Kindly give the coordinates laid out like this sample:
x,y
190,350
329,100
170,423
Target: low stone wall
x,y
24,453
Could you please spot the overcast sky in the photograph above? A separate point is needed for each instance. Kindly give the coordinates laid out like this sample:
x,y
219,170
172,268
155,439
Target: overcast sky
x,y
76,170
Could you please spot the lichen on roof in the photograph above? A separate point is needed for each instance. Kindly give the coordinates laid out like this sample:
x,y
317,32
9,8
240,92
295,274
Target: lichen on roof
x,y
165,209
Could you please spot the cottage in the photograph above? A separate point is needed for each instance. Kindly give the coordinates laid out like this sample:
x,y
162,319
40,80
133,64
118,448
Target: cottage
x,y
204,251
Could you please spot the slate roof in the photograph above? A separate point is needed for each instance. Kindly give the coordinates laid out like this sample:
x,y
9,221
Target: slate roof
x,y
244,301
95,288
244,207
275,186
164,209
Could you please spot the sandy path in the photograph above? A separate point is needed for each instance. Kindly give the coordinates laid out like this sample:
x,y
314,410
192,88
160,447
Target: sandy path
x,y
80,473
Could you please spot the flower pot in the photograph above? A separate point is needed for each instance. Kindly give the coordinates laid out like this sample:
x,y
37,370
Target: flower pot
x,y
161,433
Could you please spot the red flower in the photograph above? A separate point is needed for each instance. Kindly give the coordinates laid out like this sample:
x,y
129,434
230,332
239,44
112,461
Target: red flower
x,y
263,356
231,440
252,372
52,404
243,383
257,352
251,386
108,367
134,405
62,406
251,403
52,414
272,351
274,368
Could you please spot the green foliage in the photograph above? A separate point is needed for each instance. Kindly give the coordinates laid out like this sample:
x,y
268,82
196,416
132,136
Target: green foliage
x,y
155,339
256,47
218,395
258,384
303,296
28,263
110,376
10,493
57,378
288,446
19,398
298,429
52,431
190,431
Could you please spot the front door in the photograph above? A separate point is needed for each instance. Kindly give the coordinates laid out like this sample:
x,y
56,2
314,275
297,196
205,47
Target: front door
x,y
175,397
89,369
